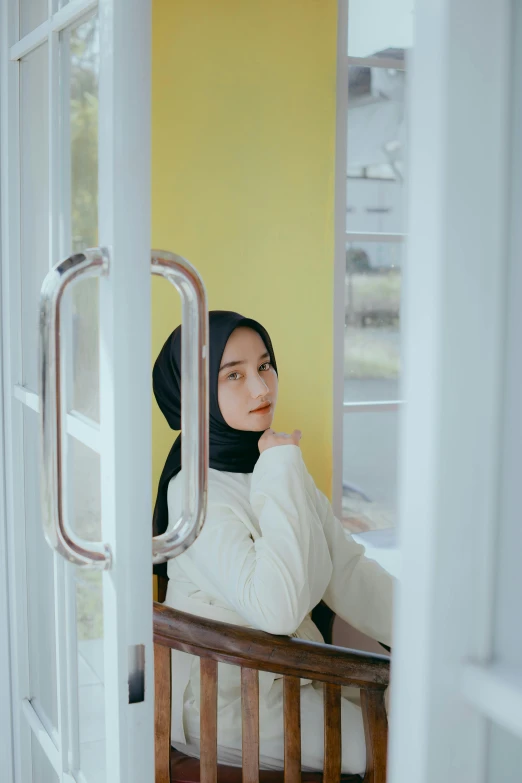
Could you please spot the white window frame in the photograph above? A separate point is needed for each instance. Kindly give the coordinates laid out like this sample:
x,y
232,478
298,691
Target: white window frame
x,y
340,407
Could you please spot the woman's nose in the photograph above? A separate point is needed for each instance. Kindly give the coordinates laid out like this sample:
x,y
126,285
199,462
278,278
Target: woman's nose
x,y
257,386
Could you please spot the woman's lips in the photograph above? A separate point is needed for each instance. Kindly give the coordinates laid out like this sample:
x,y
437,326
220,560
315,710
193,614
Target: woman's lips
x,y
264,409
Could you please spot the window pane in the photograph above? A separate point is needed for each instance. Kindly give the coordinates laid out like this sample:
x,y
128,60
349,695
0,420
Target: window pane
x,y
86,353
43,771
372,321
379,28
85,515
32,14
84,490
84,50
40,584
34,202
504,756
91,690
376,149
82,44
370,470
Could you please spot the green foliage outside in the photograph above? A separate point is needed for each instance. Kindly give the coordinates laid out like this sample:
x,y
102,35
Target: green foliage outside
x,y
83,122
372,307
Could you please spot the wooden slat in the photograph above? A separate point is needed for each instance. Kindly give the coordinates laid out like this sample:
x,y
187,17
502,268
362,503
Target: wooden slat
x,y
332,733
376,735
162,691
292,717
208,725
250,721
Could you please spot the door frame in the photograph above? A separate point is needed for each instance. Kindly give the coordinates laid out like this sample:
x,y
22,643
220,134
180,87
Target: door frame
x,y
456,283
9,173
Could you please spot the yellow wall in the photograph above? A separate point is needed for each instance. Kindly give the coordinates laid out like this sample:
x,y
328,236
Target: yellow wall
x,y
243,121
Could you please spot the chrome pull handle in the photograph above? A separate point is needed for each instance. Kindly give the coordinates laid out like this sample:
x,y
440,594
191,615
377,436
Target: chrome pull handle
x,y
181,533
56,529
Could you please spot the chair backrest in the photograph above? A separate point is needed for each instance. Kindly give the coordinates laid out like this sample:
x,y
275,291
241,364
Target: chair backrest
x,y
256,651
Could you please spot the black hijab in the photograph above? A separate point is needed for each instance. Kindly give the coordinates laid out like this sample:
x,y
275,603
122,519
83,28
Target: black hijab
x,y
230,450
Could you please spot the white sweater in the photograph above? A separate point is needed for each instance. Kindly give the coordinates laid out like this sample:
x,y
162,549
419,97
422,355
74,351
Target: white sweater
x,y
270,550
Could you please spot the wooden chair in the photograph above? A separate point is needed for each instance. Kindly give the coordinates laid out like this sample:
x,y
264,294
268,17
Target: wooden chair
x,y
256,651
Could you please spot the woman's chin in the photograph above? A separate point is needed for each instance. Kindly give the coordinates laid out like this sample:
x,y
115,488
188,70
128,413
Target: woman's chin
x,y
262,423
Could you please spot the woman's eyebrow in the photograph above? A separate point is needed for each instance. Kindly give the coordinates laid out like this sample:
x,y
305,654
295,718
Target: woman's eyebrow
x,y
231,364
242,361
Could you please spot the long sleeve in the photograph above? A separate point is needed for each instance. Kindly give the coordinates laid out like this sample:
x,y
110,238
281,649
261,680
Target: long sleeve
x,y
360,590
273,579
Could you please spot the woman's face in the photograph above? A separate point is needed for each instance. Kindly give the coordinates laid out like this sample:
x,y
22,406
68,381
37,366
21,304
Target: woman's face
x,y
247,382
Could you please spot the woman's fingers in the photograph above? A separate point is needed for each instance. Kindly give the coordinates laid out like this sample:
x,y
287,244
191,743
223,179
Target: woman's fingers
x,y
269,439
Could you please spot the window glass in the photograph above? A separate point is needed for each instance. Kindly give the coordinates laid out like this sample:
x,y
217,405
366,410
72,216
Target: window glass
x,y
372,306
380,28
370,470
32,14
82,43
504,756
34,201
375,150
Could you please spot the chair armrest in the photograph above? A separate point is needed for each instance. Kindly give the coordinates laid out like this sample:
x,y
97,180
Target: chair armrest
x,y
262,651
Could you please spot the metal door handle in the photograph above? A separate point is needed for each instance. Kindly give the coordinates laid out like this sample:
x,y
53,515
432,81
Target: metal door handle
x,y
181,533
56,529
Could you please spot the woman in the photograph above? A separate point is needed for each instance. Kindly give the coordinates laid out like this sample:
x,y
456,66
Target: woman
x,y
270,549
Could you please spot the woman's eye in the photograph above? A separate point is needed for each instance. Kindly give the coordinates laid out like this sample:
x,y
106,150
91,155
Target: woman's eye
x,y
233,376
264,367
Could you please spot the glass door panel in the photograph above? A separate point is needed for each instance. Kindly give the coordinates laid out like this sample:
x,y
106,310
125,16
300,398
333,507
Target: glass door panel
x,y
81,55
34,201
85,515
72,626
40,586
43,772
32,14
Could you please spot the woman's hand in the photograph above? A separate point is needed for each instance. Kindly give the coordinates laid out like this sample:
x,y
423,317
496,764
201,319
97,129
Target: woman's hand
x,y
269,439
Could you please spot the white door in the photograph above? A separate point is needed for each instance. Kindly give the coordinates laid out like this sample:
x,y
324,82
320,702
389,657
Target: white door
x,y
457,677
75,174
